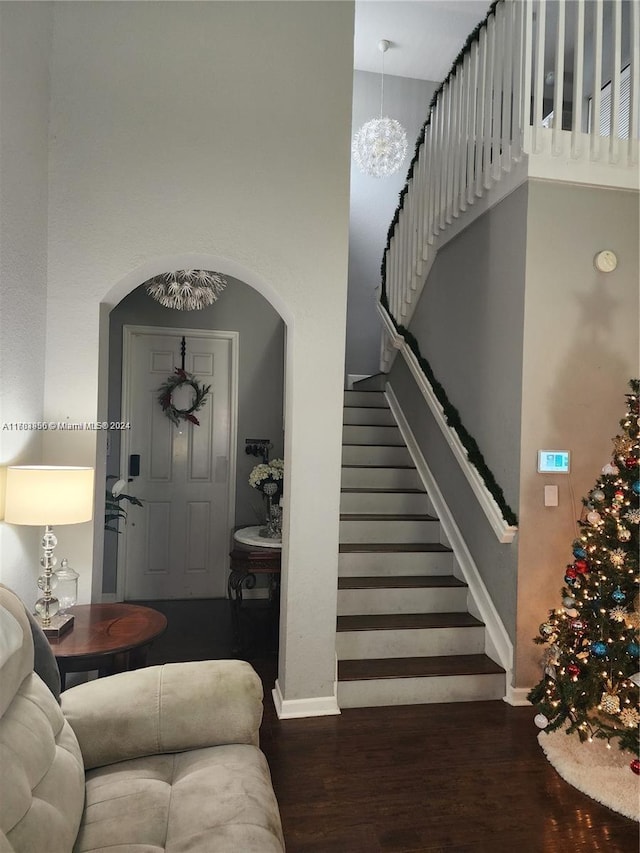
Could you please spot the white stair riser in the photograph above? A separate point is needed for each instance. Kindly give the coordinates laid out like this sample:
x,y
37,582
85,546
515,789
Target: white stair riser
x,y
420,691
359,415
365,564
352,602
385,502
368,434
366,399
380,478
409,642
396,530
375,455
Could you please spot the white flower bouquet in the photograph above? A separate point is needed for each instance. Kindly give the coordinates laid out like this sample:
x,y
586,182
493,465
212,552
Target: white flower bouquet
x,y
268,477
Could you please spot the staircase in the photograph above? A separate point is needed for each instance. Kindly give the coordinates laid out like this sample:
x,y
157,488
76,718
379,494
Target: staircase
x,y
404,634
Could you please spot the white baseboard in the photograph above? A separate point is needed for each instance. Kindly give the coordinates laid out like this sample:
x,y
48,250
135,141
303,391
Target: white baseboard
x,y
498,643
290,709
517,695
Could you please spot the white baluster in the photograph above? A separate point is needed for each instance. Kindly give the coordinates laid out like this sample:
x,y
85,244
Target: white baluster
x,y
440,165
446,153
488,102
596,98
454,173
480,110
473,138
615,82
578,82
496,109
431,177
525,119
507,78
465,131
422,197
558,83
538,83
634,93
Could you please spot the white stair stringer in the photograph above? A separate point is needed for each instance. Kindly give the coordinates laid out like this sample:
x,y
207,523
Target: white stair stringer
x,y
404,634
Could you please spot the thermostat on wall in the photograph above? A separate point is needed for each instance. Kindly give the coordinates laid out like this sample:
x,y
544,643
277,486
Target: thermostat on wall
x,y
553,461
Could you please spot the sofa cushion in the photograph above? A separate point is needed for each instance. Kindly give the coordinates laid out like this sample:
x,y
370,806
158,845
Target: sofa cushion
x,y
213,800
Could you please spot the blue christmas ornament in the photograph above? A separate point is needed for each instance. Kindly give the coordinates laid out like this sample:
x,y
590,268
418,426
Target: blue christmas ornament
x,y
580,553
618,595
636,487
570,581
599,649
634,650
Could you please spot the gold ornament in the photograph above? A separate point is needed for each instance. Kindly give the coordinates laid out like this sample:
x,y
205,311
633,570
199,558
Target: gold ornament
x,y
630,717
617,557
622,445
610,703
618,614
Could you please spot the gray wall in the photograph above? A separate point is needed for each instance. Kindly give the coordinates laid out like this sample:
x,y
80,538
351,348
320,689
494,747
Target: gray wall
x,y
580,349
260,381
373,203
469,325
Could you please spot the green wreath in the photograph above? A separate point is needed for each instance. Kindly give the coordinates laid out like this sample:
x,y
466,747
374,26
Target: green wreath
x,y
165,397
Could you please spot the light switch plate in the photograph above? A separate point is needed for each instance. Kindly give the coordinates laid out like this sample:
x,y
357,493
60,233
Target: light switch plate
x,y
551,496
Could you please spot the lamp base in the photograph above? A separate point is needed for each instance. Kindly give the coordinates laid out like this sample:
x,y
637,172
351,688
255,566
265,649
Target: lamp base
x,y
61,624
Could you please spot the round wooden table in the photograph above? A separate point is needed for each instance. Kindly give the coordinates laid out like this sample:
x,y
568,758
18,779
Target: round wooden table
x,y
107,637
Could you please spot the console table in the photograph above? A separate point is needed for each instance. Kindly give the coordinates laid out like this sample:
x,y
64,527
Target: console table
x,y
252,555
107,637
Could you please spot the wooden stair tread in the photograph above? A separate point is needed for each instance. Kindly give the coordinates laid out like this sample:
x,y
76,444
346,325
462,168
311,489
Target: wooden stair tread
x,y
418,667
384,467
393,547
400,582
366,516
366,491
395,621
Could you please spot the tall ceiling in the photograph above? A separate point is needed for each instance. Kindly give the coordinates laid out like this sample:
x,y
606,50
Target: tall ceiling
x,y
425,35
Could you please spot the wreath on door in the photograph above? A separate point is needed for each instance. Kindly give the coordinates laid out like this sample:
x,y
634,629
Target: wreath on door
x,y
168,388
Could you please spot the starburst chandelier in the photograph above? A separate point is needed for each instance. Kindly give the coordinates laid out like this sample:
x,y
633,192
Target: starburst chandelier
x,y
380,146
186,290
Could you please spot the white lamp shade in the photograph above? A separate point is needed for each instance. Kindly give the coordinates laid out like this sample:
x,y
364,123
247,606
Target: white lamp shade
x,y
48,494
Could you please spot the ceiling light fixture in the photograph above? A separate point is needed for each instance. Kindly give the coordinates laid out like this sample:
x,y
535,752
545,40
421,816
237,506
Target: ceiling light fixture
x,y
186,290
380,146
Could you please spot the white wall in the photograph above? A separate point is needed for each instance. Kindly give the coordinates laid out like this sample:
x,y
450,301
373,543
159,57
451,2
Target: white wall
x,y
373,203
25,46
580,350
214,134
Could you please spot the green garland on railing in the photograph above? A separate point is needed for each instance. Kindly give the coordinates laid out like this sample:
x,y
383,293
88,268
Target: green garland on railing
x,y
473,37
451,414
452,417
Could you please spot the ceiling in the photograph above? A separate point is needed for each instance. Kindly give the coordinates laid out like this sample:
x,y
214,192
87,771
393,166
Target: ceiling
x,y
425,35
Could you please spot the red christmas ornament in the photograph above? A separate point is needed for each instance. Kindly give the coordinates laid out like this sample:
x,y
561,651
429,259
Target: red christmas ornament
x,y
571,572
635,766
577,624
573,669
618,495
631,461
581,566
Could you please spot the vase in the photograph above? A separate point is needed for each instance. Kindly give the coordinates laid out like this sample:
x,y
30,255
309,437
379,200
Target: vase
x,y
273,527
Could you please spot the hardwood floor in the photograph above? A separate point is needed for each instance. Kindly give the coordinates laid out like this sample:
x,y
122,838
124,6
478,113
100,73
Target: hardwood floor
x,y
460,778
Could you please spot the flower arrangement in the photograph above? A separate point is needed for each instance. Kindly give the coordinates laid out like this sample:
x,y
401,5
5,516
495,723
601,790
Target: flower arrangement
x,y
268,478
266,475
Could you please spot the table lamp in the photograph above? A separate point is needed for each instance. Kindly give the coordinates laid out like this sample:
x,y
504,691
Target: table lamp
x,y
45,495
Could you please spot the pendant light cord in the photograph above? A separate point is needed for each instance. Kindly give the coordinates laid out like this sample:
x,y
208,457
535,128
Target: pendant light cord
x,y
382,86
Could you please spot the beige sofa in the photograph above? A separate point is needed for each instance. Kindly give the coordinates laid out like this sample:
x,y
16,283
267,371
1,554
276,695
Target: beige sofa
x,y
162,759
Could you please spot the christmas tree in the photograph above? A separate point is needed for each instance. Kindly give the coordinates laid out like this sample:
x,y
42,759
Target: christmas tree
x,y
591,676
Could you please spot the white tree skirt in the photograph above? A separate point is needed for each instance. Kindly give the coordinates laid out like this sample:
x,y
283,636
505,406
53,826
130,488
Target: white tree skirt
x,y
603,774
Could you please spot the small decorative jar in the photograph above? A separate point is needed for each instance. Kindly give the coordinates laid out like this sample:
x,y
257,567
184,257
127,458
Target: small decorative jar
x,y
67,586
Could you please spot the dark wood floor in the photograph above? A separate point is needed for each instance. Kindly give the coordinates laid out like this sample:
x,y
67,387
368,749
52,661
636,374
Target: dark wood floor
x,y
461,778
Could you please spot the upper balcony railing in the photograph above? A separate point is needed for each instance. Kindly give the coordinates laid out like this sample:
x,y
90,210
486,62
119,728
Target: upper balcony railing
x,y
543,88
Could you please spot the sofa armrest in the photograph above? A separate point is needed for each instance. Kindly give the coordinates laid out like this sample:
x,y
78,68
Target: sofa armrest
x,y
168,708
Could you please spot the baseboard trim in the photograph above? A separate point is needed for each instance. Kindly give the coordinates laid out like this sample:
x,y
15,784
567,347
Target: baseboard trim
x,y
517,696
290,709
499,645
355,377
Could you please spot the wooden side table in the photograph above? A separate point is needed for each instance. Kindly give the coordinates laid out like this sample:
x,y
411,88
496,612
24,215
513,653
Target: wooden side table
x,y
107,637
247,561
